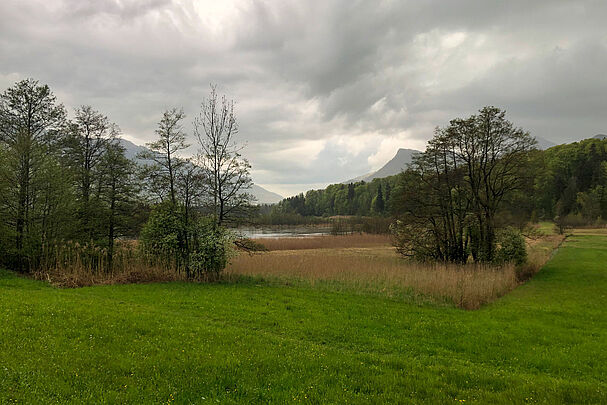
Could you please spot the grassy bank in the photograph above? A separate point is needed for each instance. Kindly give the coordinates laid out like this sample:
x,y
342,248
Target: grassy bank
x,y
249,342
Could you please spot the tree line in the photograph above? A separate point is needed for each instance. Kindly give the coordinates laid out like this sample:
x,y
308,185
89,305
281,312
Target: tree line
x,y
359,199
68,179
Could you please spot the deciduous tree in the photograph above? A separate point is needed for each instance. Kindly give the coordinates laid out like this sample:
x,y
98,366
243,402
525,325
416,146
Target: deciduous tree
x,y
226,172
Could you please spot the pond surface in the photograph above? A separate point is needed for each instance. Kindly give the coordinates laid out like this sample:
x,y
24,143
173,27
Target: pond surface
x,y
284,232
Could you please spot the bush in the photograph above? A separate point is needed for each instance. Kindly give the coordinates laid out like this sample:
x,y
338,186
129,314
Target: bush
x,y
511,247
201,249
160,236
213,248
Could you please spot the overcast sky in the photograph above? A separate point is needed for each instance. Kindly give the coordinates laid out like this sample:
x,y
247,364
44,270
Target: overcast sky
x,y
324,90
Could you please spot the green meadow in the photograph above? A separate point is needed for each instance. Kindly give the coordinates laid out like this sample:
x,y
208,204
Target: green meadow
x,y
258,342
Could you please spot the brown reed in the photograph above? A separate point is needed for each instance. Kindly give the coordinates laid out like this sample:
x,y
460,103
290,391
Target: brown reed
x,y
356,240
380,269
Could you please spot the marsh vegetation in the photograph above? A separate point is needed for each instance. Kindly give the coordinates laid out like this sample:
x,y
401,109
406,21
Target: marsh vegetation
x,y
369,263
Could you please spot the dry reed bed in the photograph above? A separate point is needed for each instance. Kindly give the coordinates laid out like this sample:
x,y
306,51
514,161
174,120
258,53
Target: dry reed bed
x,y
72,265
356,240
467,286
381,269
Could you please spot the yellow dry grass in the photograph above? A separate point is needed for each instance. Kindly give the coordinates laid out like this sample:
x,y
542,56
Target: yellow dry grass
x,y
381,269
363,262
74,265
320,242
468,286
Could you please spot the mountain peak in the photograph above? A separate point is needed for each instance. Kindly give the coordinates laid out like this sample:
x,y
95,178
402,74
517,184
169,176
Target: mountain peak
x,y
397,164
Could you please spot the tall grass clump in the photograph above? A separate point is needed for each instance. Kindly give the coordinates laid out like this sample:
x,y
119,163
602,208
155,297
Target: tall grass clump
x,y
162,254
72,264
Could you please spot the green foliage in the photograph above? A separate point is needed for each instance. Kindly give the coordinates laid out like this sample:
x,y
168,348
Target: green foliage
x,y
358,199
161,235
511,247
566,170
31,124
451,196
354,224
201,248
378,205
213,249
589,203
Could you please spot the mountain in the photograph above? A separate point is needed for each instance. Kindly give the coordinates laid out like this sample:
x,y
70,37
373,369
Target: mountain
x,y
264,196
543,144
261,195
405,156
396,165
130,149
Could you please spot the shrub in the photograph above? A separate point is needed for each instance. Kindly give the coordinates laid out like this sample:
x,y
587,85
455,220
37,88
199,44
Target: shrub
x,y
511,247
213,248
160,236
201,249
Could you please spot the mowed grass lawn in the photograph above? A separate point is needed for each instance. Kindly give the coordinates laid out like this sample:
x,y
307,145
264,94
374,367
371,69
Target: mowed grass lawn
x,y
546,342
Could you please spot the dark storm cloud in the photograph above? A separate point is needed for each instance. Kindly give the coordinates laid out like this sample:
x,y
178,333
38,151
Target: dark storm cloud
x,y
324,90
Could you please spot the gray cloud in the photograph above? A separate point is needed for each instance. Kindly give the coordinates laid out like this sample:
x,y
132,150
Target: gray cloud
x,y
324,90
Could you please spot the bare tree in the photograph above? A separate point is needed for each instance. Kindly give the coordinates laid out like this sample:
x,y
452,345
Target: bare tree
x,y
225,171
163,151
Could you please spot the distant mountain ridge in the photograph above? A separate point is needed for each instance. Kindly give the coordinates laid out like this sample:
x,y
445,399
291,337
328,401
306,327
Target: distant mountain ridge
x,y
404,157
130,149
262,196
543,144
396,165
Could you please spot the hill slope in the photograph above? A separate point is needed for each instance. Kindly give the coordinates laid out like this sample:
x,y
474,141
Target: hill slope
x,y
543,144
264,196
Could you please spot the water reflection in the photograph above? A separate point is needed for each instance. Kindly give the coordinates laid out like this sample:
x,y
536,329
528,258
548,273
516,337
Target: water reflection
x,y
283,232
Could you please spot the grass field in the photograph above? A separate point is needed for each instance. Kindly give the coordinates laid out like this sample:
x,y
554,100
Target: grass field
x,y
246,342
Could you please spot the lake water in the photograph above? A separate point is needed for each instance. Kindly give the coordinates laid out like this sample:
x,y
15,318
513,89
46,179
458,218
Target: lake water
x,y
284,232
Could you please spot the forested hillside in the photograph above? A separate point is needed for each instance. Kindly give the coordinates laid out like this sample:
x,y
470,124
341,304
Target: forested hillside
x,y
359,198
571,179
